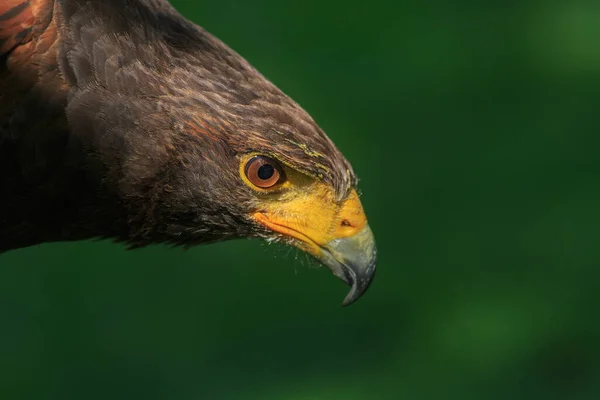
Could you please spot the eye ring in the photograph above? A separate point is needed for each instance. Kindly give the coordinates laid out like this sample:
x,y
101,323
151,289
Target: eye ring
x,y
264,172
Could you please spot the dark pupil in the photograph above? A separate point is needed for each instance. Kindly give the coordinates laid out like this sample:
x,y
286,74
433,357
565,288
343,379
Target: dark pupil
x,y
266,171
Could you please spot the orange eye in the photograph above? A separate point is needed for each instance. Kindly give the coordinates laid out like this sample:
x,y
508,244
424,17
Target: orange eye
x,y
264,172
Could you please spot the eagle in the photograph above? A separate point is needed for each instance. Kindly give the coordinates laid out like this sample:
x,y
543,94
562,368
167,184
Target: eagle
x,y
122,120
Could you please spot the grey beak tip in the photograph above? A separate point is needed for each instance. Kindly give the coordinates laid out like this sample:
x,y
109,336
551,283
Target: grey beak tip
x,y
350,298
353,260
360,285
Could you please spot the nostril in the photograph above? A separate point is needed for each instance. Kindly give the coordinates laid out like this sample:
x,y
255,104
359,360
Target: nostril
x,y
345,222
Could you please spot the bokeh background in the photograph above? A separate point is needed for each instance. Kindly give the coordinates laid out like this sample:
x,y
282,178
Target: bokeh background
x,y
474,129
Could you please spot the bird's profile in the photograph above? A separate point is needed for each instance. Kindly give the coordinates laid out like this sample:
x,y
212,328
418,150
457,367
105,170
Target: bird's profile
x,y
120,119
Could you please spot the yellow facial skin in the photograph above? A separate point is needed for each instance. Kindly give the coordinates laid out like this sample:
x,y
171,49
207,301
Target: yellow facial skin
x,y
306,210
315,219
306,214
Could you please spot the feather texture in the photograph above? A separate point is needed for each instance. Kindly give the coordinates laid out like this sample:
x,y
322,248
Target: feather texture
x,y
122,119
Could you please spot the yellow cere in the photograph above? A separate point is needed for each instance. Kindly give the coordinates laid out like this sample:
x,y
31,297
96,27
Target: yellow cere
x,y
304,210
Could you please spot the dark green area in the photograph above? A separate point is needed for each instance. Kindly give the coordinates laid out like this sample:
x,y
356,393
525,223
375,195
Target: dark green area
x,y
474,129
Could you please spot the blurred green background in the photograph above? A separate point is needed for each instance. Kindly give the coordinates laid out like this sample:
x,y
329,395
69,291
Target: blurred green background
x,y
474,129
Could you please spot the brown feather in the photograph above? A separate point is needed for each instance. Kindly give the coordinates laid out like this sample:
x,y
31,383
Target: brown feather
x,y
121,119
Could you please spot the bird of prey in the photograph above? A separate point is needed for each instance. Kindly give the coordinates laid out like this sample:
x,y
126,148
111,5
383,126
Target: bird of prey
x,y
122,120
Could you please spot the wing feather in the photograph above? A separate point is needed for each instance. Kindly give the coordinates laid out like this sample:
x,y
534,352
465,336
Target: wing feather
x,y
28,46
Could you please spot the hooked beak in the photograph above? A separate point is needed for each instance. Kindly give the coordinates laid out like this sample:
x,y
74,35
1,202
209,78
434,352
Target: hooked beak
x,y
352,259
337,234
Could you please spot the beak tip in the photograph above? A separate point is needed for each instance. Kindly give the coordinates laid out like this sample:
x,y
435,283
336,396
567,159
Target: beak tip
x,y
359,285
353,260
350,298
